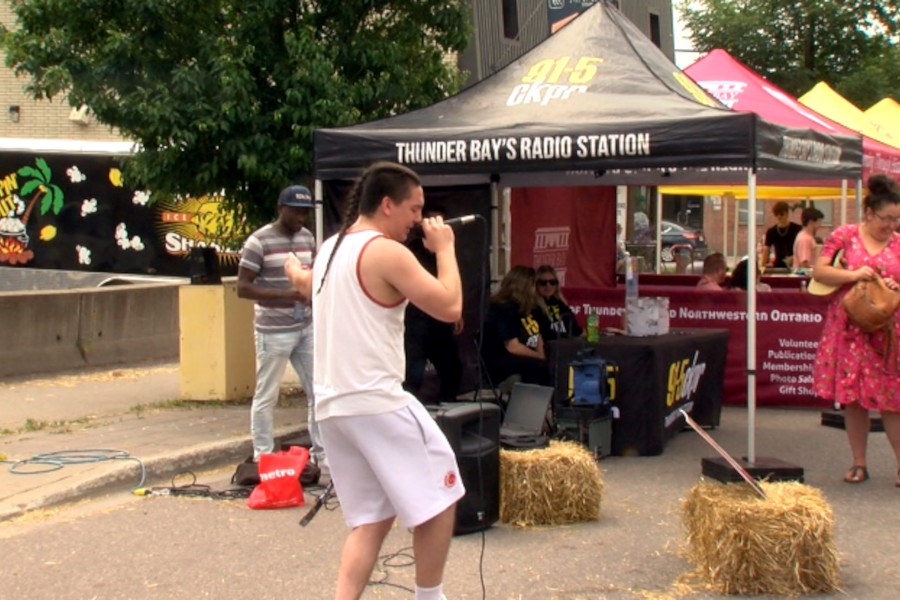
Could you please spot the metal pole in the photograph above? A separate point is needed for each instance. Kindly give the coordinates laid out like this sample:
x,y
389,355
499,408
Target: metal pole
x,y
658,231
752,269
843,220
506,231
859,210
725,200
495,231
320,213
728,458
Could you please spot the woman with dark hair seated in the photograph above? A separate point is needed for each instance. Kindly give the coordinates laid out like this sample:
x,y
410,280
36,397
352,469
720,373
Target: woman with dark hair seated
x,y
512,343
739,278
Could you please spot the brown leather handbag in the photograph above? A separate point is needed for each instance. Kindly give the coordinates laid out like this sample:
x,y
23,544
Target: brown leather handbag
x,y
871,305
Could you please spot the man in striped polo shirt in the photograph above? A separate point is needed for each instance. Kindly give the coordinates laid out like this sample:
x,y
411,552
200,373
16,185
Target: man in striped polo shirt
x,y
283,317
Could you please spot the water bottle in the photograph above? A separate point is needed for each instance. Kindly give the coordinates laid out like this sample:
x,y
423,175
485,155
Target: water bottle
x,y
631,283
593,328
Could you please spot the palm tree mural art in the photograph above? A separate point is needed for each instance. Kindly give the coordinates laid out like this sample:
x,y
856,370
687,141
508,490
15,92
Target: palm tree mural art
x,y
13,225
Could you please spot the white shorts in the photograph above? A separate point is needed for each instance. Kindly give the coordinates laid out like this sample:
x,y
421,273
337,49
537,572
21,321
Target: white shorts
x,y
394,464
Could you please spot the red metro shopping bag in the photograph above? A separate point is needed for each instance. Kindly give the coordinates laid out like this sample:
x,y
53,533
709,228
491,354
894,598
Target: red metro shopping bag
x,y
279,479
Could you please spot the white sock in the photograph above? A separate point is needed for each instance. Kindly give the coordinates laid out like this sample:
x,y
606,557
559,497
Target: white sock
x,y
432,593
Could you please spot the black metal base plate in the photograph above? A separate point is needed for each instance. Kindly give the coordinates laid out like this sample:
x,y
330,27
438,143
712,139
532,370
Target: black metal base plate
x,y
835,418
771,469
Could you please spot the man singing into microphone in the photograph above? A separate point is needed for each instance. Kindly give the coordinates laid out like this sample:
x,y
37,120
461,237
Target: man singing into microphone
x,y
388,457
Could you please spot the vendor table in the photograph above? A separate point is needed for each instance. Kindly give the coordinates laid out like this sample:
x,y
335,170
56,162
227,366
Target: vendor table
x,y
788,327
658,375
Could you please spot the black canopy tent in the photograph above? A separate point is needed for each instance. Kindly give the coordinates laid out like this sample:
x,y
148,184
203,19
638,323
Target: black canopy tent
x,y
596,97
595,104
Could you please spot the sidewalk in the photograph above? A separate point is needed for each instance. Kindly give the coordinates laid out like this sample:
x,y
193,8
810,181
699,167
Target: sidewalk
x,y
128,426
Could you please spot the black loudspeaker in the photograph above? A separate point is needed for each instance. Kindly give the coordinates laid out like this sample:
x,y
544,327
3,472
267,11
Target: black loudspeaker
x,y
204,266
473,430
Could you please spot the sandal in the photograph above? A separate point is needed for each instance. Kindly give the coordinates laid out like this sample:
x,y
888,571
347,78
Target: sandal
x,y
859,473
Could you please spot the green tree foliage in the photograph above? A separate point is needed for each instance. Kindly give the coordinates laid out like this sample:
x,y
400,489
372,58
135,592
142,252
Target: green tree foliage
x,y
850,44
223,95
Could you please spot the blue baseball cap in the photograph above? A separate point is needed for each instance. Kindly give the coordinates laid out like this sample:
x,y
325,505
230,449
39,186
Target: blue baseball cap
x,y
297,196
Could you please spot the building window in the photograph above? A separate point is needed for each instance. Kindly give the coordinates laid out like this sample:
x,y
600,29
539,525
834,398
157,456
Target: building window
x,y
510,19
654,29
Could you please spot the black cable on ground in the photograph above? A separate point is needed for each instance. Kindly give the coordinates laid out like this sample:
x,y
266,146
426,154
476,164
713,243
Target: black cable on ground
x,y
194,490
396,560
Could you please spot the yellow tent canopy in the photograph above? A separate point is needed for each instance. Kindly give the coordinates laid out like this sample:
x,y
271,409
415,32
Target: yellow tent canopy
x,y
824,100
886,112
763,192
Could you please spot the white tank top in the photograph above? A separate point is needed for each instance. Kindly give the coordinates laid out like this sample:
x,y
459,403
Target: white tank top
x,y
360,360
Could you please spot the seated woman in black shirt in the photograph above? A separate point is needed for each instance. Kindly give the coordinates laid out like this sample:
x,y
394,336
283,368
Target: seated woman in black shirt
x,y
512,341
554,316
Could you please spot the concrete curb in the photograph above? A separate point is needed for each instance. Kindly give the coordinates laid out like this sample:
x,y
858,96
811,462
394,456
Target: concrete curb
x,y
125,475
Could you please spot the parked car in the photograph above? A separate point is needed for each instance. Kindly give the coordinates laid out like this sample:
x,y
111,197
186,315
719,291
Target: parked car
x,y
674,234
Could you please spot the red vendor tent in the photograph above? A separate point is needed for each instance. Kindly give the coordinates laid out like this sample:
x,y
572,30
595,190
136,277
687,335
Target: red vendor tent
x,y
742,89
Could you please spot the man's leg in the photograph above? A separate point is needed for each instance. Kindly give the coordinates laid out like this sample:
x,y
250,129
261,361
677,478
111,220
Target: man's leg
x,y
302,361
358,557
431,544
271,359
857,424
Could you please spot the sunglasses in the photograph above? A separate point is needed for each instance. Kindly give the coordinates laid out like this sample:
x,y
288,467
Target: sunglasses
x,y
548,282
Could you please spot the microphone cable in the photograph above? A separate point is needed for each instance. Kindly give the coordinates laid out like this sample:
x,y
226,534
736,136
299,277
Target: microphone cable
x,y
480,373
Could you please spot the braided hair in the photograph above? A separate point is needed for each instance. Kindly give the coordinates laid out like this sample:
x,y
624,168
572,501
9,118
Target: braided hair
x,y
380,179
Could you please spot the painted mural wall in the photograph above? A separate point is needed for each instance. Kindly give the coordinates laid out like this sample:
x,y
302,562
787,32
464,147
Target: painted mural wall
x,y
72,212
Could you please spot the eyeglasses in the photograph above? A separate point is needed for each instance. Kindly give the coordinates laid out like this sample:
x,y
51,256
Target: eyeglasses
x,y
548,281
888,220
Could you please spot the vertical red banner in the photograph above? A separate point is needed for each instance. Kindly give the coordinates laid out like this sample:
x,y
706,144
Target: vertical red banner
x,y
572,229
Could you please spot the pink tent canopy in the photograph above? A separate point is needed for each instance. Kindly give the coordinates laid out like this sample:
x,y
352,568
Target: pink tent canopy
x,y
742,89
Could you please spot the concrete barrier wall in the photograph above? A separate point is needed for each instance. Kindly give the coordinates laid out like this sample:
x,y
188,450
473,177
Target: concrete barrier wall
x,y
50,331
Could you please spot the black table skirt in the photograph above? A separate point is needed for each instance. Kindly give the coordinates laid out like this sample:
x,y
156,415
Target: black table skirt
x,y
658,375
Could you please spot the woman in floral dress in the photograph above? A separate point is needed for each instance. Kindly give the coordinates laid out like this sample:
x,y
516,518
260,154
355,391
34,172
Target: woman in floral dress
x,y
852,366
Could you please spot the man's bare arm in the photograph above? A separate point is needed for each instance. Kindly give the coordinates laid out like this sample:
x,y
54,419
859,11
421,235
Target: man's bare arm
x,y
300,277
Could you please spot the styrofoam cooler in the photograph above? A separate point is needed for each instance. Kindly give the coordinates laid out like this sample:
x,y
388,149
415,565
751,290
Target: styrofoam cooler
x,y
647,316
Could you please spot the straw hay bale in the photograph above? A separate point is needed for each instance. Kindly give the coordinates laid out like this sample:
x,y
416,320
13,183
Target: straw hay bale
x,y
549,486
744,544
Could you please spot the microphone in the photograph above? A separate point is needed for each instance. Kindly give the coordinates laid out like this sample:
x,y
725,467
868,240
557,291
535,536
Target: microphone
x,y
416,231
464,220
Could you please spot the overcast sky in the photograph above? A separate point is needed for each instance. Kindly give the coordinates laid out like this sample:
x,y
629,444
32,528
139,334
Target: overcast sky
x,y
684,56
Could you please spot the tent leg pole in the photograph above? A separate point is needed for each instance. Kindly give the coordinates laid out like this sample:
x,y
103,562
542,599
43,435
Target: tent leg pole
x,y
843,201
734,231
859,211
495,235
320,212
506,231
658,231
752,269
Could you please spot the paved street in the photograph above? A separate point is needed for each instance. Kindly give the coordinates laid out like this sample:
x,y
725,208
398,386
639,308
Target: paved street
x,y
119,546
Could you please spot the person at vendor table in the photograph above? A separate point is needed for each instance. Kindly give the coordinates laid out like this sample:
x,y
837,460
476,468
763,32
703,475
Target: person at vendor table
x,y
738,279
805,244
781,237
512,342
715,269
854,368
553,314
